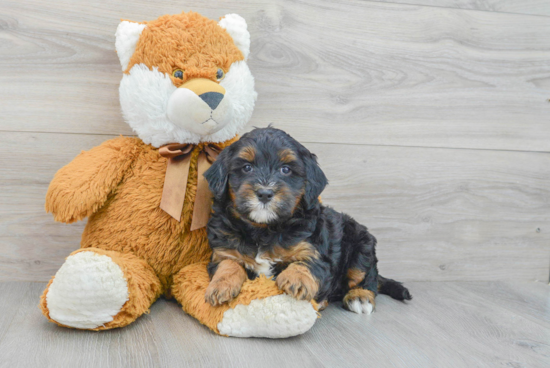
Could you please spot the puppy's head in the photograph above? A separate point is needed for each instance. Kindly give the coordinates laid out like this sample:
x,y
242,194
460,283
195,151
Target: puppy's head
x,y
266,175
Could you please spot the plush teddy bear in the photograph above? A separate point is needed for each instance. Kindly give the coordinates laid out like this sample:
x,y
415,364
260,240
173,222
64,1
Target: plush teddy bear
x,y
186,91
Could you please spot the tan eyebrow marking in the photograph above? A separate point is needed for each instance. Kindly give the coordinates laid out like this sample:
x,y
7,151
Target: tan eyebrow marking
x,y
287,155
248,153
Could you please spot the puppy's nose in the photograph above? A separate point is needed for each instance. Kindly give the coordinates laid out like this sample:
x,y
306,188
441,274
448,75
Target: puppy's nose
x,y
212,99
264,195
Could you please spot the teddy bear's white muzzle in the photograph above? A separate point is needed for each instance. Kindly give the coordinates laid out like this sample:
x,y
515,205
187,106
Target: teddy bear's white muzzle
x,y
202,114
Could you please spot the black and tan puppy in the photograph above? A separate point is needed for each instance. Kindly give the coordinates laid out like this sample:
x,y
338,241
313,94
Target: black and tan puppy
x,y
267,219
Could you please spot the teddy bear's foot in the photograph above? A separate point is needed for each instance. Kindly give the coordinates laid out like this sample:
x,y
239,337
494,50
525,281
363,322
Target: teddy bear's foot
x,y
97,289
87,291
260,309
276,316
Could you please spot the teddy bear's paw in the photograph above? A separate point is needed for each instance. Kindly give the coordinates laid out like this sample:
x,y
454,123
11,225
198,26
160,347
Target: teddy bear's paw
x,y
87,291
276,316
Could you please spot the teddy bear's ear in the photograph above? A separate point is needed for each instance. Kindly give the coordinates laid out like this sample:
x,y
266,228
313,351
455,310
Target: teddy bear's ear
x,y
127,35
236,26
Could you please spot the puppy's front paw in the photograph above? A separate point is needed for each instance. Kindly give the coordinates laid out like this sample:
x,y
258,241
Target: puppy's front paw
x,y
226,283
221,291
298,282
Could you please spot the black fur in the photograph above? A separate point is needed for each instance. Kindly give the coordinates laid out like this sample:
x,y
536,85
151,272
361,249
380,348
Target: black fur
x,y
341,242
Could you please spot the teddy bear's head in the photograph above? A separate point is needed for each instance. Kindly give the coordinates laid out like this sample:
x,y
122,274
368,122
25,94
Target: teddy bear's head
x,y
185,78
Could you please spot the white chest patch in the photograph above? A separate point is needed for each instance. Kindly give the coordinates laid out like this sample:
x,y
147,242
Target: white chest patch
x,y
263,266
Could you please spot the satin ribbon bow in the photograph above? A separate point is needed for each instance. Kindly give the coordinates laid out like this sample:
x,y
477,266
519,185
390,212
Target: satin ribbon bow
x,y
175,181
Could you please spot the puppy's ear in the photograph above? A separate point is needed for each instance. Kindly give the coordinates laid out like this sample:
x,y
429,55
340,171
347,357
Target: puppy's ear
x,y
218,174
316,181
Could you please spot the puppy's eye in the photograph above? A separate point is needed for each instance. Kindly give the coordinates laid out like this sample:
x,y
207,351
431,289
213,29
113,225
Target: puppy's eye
x,y
178,73
247,168
220,74
286,170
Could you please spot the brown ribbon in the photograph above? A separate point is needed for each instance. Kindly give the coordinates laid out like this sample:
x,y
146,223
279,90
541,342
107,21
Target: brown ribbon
x,y
175,181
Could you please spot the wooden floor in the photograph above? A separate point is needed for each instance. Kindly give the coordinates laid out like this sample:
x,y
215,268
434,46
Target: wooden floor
x,y
447,324
430,118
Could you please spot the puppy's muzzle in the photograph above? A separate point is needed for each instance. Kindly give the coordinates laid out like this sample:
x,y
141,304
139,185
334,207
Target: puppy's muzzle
x,y
265,195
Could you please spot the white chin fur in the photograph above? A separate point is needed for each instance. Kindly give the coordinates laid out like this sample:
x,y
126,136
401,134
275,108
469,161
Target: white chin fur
x,y
261,213
160,113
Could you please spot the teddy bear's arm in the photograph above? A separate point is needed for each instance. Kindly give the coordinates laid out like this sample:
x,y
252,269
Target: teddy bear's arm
x,y
81,187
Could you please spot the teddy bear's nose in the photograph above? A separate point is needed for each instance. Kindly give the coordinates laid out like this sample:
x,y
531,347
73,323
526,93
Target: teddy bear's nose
x,y
209,91
212,99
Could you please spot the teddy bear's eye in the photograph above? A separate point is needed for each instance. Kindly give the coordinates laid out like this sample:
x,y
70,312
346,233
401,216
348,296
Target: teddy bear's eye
x,y
178,73
220,74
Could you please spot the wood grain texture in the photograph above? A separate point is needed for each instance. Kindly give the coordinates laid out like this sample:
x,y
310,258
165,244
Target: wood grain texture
x,y
448,324
348,71
13,294
532,7
31,242
438,214
446,214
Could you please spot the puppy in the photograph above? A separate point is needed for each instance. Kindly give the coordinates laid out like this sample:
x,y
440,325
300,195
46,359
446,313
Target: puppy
x,y
267,219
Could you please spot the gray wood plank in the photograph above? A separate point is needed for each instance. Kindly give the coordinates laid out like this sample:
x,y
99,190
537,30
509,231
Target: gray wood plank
x,y
353,71
11,296
31,242
448,324
32,341
521,298
532,7
438,214
441,214
189,342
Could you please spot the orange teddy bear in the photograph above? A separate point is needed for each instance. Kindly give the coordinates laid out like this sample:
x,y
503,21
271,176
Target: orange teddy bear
x,y
186,91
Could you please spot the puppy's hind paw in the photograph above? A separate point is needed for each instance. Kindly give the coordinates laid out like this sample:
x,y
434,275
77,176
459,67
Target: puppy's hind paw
x,y
359,301
358,306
